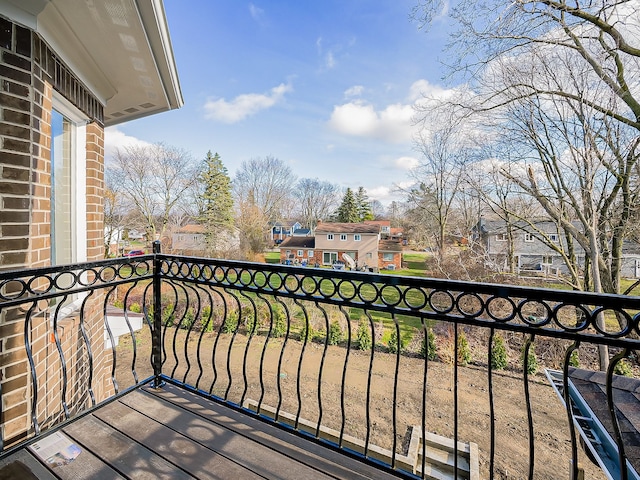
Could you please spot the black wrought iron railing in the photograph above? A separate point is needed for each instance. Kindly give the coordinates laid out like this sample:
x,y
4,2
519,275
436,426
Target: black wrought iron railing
x,y
424,377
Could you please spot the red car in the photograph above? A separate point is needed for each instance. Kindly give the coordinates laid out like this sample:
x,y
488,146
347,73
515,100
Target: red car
x,y
134,253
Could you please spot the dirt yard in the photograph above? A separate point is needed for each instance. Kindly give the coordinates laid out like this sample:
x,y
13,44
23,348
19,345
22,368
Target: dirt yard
x,y
552,444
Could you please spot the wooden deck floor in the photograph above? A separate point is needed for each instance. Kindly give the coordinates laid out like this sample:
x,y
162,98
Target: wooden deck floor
x,y
174,434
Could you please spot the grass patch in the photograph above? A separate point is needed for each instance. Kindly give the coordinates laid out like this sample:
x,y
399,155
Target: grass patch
x,y
272,257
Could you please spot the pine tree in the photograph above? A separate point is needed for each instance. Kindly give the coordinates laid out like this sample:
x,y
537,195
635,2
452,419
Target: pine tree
x,y
216,210
348,209
363,205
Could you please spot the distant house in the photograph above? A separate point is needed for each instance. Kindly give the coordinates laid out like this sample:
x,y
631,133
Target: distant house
x,y
281,230
358,240
190,240
532,254
389,255
298,250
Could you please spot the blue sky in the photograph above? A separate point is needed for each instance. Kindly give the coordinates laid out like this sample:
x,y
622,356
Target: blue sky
x,y
326,86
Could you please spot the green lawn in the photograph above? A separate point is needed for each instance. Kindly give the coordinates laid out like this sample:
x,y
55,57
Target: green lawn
x,y
272,257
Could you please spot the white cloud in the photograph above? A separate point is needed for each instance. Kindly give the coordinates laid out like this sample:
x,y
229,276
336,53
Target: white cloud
x,y
393,123
354,91
329,60
360,119
114,138
406,163
244,105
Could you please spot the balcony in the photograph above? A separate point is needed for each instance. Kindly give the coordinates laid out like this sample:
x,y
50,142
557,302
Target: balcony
x,y
238,371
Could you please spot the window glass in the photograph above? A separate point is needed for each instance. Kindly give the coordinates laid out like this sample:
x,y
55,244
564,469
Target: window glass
x,y
62,238
357,237
343,236
387,257
330,236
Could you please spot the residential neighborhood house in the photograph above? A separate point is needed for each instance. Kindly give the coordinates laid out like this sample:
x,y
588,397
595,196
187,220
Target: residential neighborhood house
x,y
360,241
532,254
190,240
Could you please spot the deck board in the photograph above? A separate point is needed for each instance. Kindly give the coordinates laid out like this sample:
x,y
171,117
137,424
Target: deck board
x,y
172,433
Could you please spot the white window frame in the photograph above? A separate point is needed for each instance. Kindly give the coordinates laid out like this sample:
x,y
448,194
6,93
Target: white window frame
x,y
554,237
78,210
501,237
387,257
343,237
357,237
331,254
329,236
528,237
547,260
301,253
309,253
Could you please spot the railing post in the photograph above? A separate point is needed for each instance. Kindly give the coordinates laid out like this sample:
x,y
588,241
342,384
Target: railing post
x,y
156,334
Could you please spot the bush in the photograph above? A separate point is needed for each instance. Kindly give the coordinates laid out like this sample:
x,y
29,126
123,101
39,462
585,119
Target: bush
x,y
464,352
428,347
364,335
335,333
307,332
395,342
135,307
168,315
574,359
188,320
623,367
532,360
499,358
118,303
206,317
279,328
230,323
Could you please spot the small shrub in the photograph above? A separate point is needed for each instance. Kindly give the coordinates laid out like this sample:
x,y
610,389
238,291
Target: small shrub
x,y
188,320
364,335
395,342
249,321
499,358
118,303
135,307
230,323
532,359
206,321
279,328
168,315
307,332
335,333
428,346
574,359
464,352
623,367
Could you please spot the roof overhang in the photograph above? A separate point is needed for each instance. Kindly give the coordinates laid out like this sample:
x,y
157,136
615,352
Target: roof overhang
x,y
121,50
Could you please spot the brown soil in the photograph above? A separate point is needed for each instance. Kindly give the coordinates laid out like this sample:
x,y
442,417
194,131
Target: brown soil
x,y
552,444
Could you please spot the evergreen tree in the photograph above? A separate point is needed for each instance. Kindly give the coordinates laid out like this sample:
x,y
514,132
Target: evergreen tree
x,y
363,205
348,209
216,208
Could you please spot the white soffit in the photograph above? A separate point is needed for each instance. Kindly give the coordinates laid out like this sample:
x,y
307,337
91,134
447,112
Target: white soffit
x,y
119,48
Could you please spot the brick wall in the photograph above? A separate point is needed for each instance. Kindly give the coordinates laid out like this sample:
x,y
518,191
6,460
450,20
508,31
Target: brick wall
x,y
29,74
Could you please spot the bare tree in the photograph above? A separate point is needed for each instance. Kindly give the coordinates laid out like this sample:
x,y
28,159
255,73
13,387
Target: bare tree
x,y
316,199
262,189
153,179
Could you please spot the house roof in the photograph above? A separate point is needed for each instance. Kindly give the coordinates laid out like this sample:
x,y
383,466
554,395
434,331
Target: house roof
x,y
382,223
191,228
298,242
120,50
389,246
347,228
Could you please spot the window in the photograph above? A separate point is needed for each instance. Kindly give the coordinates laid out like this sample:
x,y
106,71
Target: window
x,y
387,257
528,237
68,183
501,237
329,258
300,253
309,253
357,237
369,256
547,260
343,236
330,236
288,253
553,237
